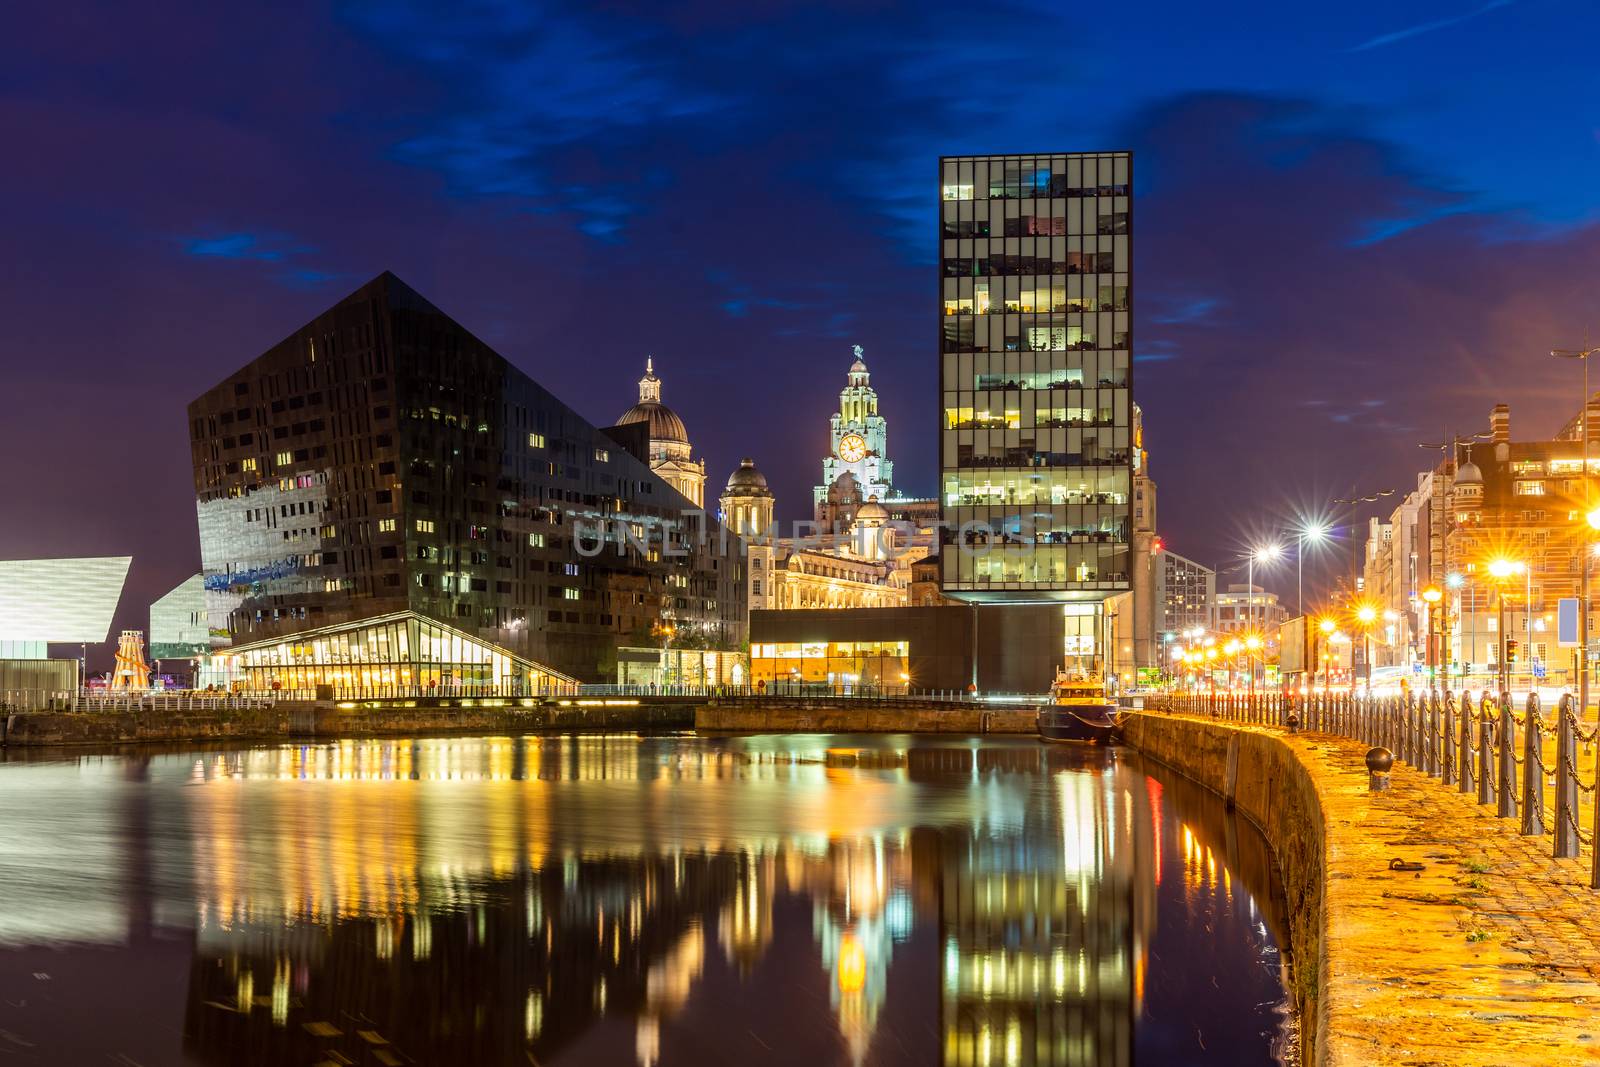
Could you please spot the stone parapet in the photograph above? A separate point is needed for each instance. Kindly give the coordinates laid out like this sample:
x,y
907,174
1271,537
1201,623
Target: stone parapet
x,y
1489,955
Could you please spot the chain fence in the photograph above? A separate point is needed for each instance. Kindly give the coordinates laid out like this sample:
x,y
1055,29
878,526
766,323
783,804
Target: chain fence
x,y
1523,761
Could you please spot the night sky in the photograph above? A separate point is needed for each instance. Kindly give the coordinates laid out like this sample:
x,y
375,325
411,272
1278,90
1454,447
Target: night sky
x,y
1357,225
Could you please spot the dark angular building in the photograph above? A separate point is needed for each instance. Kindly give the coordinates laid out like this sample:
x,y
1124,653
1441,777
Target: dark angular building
x,y
382,463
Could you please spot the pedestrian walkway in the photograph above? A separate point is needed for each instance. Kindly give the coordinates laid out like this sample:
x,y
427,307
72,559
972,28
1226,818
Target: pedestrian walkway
x,y
1489,955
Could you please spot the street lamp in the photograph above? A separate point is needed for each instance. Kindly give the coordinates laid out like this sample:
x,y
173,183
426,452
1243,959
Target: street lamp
x,y
1327,626
1315,532
1432,596
1366,615
1500,570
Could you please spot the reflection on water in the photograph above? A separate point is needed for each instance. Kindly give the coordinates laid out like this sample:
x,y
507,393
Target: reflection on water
x,y
624,900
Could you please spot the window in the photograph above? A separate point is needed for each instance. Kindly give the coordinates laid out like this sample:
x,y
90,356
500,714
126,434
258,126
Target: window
x,y
536,540
1530,489
536,440
247,464
386,525
285,458
602,456
569,594
755,587
425,526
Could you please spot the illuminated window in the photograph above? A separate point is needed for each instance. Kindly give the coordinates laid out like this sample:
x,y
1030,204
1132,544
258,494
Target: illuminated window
x,y
958,192
1530,489
536,440
536,540
248,464
285,458
425,526
602,456
569,594
386,525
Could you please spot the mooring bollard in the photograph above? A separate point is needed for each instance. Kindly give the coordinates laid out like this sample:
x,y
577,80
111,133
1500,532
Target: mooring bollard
x,y
1379,762
1464,779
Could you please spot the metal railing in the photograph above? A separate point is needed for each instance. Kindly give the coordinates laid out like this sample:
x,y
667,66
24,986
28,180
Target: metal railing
x,y
1481,746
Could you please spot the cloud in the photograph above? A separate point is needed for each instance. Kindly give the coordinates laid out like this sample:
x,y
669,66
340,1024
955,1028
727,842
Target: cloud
x,y
1428,27
269,248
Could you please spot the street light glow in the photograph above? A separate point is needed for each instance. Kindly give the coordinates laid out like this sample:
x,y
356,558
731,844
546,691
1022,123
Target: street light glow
x,y
1432,595
1366,613
1594,519
1328,626
1505,568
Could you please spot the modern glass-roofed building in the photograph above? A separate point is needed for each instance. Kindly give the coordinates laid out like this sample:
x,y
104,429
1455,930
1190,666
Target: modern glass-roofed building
x,y
65,601
400,654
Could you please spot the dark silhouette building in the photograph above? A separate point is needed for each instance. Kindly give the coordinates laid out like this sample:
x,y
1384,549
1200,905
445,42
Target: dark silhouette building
x,y
383,463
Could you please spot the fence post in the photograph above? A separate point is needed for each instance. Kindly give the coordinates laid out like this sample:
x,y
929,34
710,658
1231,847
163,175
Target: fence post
x,y
1485,766
1566,784
1532,773
1447,736
1506,740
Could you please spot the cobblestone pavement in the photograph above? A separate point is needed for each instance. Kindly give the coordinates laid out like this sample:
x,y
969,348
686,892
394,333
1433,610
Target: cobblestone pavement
x,y
1490,955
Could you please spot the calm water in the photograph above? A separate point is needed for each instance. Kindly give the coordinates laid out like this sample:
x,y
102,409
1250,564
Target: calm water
x,y
620,900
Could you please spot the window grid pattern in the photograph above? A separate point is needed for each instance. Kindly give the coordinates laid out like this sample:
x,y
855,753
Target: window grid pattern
x,y
1036,360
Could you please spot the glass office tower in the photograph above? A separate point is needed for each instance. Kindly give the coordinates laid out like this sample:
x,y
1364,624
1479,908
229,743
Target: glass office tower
x,y
1035,328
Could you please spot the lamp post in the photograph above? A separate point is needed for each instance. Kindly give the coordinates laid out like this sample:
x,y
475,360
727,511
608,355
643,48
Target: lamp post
x,y
1432,596
1327,626
1266,554
1500,570
1252,645
1583,580
1315,533
1355,503
1366,615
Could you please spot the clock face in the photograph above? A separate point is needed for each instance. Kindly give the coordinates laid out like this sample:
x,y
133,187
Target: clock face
x,y
852,448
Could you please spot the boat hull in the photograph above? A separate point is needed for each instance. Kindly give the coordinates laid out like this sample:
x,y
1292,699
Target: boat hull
x,y
1087,725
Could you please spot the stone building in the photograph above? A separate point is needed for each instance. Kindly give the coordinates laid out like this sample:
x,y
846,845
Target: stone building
x,y
671,456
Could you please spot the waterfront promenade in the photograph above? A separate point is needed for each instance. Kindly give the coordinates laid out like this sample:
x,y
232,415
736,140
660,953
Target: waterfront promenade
x,y
1488,955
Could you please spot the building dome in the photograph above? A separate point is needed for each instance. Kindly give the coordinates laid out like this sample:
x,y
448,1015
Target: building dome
x,y
872,511
1469,474
747,481
663,422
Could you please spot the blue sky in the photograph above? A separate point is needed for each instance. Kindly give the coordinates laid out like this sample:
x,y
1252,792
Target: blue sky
x,y
1358,225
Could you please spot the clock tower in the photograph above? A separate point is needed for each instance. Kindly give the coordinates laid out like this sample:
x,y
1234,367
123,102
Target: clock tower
x,y
858,443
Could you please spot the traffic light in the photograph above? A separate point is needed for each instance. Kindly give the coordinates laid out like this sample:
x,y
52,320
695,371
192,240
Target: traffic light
x,y
1511,651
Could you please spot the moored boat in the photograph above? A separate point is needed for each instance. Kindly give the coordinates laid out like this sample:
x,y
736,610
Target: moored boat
x,y
1080,711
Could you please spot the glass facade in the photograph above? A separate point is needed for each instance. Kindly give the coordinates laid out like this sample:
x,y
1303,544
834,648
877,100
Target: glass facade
x,y
384,459
831,663
1036,360
395,655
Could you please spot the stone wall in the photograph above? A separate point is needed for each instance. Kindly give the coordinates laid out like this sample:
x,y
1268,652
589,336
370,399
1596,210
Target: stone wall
x,y
314,719
1260,774
934,719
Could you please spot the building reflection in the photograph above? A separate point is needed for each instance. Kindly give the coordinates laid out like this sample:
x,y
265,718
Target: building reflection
x,y
421,923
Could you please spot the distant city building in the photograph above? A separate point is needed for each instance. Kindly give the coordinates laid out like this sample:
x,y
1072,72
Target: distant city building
x,y
670,453
1036,387
866,564
386,481
1249,608
1186,592
1498,498
179,625
857,467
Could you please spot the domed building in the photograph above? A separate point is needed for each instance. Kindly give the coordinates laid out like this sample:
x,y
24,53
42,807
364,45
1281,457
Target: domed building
x,y
746,511
670,453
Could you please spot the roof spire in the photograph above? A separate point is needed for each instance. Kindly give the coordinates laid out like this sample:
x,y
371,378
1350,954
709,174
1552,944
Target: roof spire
x,y
649,385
